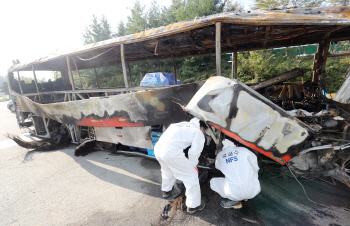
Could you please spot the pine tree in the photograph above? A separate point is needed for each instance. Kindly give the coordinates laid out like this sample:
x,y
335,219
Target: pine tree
x,y
191,69
181,10
232,6
137,21
121,29
106,32
156,16
259,4
336,2
97,31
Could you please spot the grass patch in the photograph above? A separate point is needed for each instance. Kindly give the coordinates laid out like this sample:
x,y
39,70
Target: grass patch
x,y
4,99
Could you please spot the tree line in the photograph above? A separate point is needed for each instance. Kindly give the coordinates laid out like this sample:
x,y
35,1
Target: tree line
x,y
253,66
142,18
3,85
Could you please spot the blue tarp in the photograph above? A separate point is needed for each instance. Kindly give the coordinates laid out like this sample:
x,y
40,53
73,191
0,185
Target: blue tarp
x,y
159,79
155,138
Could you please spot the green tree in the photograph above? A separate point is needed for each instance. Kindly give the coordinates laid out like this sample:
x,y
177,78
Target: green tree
x,y
189,70
258,4
254,65
140,19
156,16
97,31
2,79
232,6
198,68
268,4
334,72
181,10
5,88
336,2
137,21
3,82
121,29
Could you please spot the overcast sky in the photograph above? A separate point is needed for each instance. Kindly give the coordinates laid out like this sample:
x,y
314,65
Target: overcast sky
x,y
31,29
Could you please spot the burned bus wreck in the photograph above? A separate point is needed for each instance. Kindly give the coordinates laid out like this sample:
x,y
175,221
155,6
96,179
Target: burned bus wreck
x,y
289,122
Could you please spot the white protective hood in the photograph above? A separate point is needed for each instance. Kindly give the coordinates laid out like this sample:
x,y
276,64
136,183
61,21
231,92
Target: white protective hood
x,y
240,167
227,143
195,121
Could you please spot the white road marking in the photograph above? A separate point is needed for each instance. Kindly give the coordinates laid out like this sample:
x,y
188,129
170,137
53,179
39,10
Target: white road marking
x,y
9,143
122,171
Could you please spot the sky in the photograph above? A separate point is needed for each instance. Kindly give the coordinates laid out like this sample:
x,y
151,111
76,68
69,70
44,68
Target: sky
x,y
31,29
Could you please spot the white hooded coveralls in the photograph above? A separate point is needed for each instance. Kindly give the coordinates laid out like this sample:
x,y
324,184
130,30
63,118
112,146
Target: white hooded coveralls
x,y
169,152
240,167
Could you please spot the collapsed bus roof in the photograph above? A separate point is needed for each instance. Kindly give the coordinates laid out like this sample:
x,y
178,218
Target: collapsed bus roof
x,y
241,31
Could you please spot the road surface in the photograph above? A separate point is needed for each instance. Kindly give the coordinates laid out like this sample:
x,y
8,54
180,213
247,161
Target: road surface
x,y
57,188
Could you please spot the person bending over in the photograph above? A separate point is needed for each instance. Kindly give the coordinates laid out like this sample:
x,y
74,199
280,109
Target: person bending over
x,y
169,151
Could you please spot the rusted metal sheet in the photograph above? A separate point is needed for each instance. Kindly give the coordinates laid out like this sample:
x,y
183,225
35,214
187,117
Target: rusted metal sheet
x,y
131,136
343,95
248,117
281,78
243,30
143,108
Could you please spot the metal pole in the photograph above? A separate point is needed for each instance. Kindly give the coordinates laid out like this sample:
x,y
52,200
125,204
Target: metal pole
x,y
98,82
174,63
317,61
71,77
218,48
19,82
324,59
36,82
46,128
321,73
232,66
122,54
76,68
235,64
130,75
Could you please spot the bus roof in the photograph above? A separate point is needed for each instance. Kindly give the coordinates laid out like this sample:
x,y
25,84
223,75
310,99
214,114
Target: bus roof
x,y
240,31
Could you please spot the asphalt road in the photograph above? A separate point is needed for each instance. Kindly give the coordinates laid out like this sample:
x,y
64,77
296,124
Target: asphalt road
x,y
57,188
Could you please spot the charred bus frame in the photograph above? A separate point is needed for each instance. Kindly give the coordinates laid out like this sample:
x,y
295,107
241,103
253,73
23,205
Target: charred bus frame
x,y
139,108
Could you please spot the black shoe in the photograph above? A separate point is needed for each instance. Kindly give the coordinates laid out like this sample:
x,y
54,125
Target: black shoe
x,y
193,210
167,193
229,204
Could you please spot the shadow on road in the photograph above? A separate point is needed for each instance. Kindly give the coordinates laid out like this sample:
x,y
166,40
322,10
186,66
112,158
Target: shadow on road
x,y
281,201
29,155
138,174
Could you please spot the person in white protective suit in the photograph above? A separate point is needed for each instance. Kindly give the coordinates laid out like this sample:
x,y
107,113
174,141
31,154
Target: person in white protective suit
x,y
169,152
240,167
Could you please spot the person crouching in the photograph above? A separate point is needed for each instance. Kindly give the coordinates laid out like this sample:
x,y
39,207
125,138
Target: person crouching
x,y
240,167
